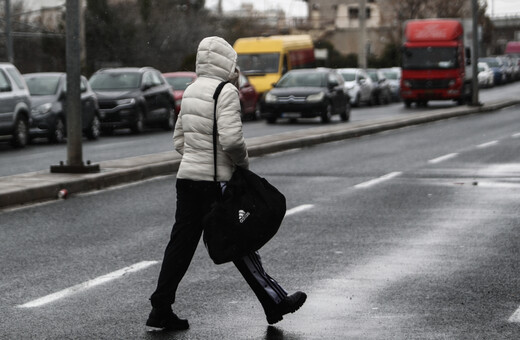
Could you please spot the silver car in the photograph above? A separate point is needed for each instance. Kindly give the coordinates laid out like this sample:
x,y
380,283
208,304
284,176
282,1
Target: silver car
x,y
358,84
15,106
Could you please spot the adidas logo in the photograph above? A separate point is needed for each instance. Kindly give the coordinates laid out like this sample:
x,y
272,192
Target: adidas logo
x,y
242,215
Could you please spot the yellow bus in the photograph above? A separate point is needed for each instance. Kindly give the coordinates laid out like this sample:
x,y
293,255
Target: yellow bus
x,y
265,59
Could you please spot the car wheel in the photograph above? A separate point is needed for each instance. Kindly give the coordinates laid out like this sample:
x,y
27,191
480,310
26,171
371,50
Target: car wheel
x,y
138,125
20,133
94,130
357,102
345,115
327,115
170,124
257,114
57,135
372,100
407,103
271,120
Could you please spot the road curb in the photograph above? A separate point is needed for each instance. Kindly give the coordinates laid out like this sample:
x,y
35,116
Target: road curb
x,y
42,185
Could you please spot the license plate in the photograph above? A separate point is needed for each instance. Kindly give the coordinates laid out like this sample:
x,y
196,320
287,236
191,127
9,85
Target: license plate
x,y
290,115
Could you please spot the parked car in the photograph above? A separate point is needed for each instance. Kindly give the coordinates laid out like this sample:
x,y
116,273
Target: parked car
x,y
485,75
15,106
381,87
179,81
248,98
49,114
498,68
358,84
307,93
393,75
133,98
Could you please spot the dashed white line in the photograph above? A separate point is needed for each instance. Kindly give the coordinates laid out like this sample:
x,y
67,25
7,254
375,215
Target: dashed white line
x,y
515,317
298,209
378,180
485,145
442,158
516,135
88,284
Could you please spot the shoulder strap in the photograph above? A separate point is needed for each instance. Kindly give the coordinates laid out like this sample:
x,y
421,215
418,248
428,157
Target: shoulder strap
x,y
215,98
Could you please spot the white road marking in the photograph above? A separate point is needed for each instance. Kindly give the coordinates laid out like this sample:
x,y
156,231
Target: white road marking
x,y
378,180
515,317
442,158
88,284
485,145
516,135
298,209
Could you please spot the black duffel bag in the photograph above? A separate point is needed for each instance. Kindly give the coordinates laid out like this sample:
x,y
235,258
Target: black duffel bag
x,y
247,217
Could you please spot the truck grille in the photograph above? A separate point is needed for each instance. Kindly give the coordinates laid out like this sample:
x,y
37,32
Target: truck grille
x,y
429,83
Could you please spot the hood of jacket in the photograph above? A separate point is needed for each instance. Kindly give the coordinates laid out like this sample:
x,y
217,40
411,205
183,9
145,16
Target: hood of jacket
x,y
216,59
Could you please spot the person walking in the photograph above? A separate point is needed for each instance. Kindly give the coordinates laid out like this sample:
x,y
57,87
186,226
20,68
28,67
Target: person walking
x,y
197,191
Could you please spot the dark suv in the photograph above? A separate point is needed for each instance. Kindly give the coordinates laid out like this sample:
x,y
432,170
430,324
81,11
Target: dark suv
x,y
133,98
15,106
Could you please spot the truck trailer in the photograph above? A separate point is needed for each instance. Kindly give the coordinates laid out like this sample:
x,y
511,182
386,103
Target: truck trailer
x,y
436,61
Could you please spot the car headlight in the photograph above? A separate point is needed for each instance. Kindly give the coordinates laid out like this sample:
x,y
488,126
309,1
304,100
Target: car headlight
x,y
42,109
126,101
314,98
270,98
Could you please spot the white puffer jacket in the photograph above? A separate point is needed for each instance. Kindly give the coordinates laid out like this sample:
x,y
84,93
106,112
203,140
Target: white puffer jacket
x,y
193,136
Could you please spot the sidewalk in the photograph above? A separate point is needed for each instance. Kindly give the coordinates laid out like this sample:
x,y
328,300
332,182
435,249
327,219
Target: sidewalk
x,y
43,185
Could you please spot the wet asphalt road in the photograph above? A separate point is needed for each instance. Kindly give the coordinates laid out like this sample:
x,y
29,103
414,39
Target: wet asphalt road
x,y
406,234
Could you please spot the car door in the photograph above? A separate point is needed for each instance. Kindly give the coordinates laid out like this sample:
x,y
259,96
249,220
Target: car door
x,y
337,94
88,103
150,96
247,94
165,101
7,103
364,87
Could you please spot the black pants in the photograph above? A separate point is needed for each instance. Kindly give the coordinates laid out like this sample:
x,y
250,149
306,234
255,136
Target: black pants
x,y
194,199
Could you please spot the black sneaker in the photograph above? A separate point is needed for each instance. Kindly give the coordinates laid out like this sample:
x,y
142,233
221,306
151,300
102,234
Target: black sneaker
x,y
290,304
165,318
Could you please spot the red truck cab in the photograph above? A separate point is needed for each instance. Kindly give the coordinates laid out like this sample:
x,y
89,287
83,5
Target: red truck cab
x,y
435,62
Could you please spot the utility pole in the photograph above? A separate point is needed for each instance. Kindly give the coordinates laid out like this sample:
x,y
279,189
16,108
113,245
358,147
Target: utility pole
x,y
362,55
474,55
73,101
8,35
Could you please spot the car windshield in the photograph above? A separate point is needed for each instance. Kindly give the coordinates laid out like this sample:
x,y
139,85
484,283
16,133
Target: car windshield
x,y
430,58
259,63
492,62
115,81
301,79
179,83
373,76
347,76
42,85
391,75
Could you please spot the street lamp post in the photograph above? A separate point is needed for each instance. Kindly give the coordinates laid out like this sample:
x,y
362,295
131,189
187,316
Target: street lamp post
x,y
73,101
474,55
